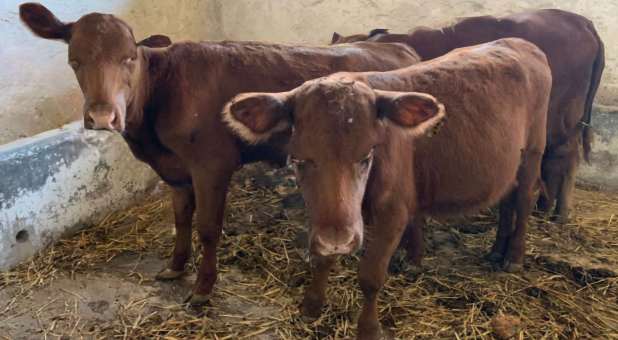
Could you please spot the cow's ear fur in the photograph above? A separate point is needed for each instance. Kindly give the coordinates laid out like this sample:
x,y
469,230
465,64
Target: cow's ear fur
x,y
413,111
335,38
255,117
157,40
377,31
43,22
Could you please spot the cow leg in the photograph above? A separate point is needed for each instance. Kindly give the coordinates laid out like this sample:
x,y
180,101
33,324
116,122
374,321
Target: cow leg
x,y
413,243
409,254
565,195
552,177
505,227
524,201
210,190
382,242
183,203
315,294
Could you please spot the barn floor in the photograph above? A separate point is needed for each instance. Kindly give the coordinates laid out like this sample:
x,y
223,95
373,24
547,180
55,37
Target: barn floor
x,y
99,283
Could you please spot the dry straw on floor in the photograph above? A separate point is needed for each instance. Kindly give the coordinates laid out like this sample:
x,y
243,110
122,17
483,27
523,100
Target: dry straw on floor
x,y
569,290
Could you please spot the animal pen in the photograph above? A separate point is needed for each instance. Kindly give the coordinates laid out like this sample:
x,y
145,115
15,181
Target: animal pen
x,y
86,229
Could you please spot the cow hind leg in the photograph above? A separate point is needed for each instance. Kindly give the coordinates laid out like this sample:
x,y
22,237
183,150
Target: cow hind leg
x,y
505,226
528,175
552,178
565,195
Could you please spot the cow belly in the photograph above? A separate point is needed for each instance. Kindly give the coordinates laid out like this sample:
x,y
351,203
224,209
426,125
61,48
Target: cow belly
x,y
466,182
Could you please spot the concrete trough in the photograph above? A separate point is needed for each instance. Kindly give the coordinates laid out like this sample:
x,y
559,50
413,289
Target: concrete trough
x,y
60,181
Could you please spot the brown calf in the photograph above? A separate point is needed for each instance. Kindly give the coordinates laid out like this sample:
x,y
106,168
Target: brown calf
x,y
166,102
361,144
576,57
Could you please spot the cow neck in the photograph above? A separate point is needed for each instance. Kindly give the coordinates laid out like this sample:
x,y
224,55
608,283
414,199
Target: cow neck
x,y
141,107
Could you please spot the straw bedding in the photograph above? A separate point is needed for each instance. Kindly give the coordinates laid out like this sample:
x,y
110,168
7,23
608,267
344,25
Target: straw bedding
x,y
99,282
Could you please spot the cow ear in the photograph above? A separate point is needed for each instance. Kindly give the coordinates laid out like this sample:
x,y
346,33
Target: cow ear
x,y
44,23
377,31
255,117
414,111
157,40
335,38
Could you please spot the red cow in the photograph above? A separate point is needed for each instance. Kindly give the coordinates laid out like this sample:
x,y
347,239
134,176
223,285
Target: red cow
x,y
360,145
166,102
576,56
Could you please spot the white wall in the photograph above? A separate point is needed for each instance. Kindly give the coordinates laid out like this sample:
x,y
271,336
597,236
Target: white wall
x,y
38,90
313,21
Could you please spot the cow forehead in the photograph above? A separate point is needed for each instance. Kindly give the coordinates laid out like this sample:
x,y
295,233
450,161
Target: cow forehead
x,y
98,35
335,117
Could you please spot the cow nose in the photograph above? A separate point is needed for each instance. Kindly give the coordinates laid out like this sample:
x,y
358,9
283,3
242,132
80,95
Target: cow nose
x,y
103,120
325,247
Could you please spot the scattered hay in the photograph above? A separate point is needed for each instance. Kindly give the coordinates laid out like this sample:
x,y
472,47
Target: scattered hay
x,y
570,288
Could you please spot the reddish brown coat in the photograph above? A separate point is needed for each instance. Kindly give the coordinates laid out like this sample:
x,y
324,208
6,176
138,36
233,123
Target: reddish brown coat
x,y
167,104
364,140
576,56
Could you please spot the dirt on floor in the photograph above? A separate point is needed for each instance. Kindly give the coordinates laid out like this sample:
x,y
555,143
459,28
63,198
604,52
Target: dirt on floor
x,y
99,283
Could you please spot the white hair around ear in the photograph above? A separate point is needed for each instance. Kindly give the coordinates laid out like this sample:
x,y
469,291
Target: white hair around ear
x,y
414,112
255,117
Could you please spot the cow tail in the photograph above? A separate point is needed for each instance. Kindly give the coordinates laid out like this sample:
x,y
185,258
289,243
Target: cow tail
x,y
597,71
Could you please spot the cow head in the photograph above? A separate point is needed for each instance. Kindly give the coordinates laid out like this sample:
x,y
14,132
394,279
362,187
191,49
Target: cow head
x,y
340,39
338,126
104,56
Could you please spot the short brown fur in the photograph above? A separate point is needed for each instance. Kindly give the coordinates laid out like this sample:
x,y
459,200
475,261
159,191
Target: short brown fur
x,y
166,102
492,100
576,56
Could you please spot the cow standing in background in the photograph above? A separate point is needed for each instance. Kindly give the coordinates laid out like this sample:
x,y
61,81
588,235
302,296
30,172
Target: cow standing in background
x,y
576,56
360,146
166,102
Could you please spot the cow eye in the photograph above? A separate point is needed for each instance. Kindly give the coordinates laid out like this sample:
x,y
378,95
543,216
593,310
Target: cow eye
x,y
367,159
128,60
74,64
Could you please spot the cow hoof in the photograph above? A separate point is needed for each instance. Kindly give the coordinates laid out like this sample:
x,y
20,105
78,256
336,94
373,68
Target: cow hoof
x,y
311,309
197,300
169,274
560,219
494,257
373,333
511,267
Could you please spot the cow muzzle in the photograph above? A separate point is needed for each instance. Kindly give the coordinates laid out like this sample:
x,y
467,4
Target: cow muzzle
x,y
339,244
103,117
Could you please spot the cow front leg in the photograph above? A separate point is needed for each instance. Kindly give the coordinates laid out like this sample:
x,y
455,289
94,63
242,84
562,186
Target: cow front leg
x,y
210,190
183,204
315,294
382,241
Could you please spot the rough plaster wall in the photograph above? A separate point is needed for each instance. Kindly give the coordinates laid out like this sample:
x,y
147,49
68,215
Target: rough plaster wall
x,y
38,90
313,21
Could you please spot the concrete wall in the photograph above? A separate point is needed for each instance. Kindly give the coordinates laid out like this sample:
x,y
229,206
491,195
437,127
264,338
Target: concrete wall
x,y
38,90
313,21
